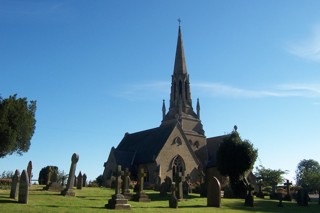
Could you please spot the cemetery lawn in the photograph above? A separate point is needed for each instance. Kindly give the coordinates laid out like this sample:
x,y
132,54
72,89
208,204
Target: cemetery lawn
x,y
94,199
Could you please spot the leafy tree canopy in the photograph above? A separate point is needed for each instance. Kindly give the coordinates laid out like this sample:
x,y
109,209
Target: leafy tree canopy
x,y
234,158
269,177
308,174
17,125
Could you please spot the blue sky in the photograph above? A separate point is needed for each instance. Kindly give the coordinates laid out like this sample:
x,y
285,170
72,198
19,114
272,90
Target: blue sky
x,y
99,69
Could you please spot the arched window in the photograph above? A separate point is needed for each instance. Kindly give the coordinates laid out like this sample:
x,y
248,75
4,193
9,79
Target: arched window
x,y
196,144
177,165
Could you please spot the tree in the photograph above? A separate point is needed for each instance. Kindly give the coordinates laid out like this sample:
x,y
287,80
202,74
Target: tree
x,y
17,125
269,177
234,158
306,173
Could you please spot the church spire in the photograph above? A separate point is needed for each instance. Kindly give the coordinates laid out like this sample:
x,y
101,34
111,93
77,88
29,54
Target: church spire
x,y
180,66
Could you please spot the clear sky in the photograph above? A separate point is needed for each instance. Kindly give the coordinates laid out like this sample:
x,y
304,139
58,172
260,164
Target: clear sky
x,y
99,69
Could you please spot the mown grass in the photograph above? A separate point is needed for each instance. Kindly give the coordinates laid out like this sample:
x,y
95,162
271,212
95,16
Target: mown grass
x,y
94,199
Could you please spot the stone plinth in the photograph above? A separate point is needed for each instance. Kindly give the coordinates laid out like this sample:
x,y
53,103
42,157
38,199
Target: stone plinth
x,y
141,197
118,202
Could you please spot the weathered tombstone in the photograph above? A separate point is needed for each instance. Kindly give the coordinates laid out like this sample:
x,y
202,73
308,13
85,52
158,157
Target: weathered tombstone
x,y
29,171
118,201
214,192
302,197
280,197
249,197
173,201
23,188
126,184
84,179
53,185
68,191
157,182
273,194
14,184
287,197
178,181
141,196
79,181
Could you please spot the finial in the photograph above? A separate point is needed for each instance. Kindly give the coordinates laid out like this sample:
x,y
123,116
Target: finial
x,y
235,128
179,20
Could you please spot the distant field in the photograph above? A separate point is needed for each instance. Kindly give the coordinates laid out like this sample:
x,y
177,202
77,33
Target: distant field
x,y
94,199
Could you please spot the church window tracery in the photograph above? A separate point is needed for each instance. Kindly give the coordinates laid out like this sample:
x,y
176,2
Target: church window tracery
x,y
177,165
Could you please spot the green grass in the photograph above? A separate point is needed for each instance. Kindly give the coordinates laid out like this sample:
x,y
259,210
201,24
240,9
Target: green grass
x,y
94,199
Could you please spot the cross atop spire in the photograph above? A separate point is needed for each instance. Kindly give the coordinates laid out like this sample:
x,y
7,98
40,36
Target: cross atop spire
x,y
179,20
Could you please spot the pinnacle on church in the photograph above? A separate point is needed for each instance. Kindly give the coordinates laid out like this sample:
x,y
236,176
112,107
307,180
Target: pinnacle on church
x,y
180,61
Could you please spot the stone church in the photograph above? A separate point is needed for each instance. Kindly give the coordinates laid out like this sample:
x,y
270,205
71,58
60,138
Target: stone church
x,y
179,144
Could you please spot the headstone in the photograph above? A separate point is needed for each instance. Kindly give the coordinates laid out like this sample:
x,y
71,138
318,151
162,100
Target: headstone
x,y
118,201
29,171
141,196
126,184
23,188
280,197
178,181
214,192
273,194
68,191
173,201
79,181
75,181
15,184
249,197
53,185
302,197
287,197
84,179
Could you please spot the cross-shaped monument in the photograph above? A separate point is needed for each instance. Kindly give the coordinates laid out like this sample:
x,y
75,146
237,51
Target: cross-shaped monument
x,y
118,201
141,196
287,184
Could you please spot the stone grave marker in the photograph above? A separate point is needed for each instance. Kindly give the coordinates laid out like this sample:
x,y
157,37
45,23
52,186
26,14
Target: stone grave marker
x,y
75,181
141,196
287,197
29,171
68,191
126,183
214,192
302,197
23,188
178,180
173,201
249,197
84,179
79,181
118,201
260,193
14,184
53,185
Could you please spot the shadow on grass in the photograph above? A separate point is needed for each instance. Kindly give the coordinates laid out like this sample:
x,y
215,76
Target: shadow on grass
x,y
157,197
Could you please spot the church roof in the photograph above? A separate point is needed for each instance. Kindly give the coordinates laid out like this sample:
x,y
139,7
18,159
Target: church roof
x,y
213,146
145,145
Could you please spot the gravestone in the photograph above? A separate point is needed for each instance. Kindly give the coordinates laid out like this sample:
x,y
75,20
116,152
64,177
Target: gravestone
x,y
249,198
280,197
273,194
75,181
126,184
23,188
165,187
14,184
29,171
141,196
84,179
53,185
178,180
118,201
173,201
79,181
287,197
214,192
68,191
302,197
